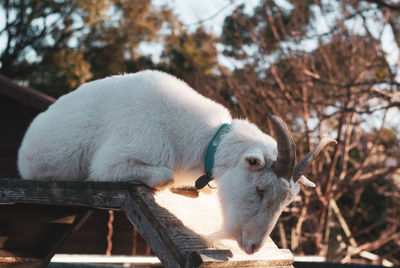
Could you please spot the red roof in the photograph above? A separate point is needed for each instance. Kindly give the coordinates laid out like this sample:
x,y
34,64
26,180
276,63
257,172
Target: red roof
x,y
26,95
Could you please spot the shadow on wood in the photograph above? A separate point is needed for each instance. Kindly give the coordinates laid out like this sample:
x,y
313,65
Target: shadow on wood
x,y
29,234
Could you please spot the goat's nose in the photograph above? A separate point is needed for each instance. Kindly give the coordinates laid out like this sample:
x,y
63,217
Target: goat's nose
x,y
253,248
250,248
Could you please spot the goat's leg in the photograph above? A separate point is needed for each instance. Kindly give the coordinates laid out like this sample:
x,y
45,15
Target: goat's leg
x,y
113,166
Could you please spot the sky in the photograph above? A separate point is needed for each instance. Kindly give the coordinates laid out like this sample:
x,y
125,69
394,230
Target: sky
x,y
212,11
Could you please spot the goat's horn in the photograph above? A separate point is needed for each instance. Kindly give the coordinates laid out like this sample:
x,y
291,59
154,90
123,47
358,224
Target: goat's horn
x,y
284,164
303,164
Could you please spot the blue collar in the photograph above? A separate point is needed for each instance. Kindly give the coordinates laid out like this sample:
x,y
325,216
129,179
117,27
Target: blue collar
x,y
210,155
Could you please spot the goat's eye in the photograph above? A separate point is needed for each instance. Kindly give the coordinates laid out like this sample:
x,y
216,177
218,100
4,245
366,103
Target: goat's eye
x,y
260,192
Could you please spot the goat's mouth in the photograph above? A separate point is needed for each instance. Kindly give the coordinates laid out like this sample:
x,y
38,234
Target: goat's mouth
x,y
240,241
249,247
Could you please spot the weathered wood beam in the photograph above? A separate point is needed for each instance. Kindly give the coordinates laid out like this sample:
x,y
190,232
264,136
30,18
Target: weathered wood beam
x,y
90,194
11,259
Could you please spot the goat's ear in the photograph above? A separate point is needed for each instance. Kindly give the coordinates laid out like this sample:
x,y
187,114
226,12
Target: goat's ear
x,y
254,161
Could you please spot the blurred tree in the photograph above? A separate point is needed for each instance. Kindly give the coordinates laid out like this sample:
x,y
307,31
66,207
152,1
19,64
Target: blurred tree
x,y
191,53
193,58
332,88
66,43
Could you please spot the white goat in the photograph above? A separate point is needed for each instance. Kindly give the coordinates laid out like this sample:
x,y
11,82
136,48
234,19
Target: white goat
x,y
154,128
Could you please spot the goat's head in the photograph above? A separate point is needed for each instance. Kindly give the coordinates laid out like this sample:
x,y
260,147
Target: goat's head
x,y
257,179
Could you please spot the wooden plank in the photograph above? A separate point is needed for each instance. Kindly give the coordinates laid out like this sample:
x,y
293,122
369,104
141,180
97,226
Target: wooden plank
x,y
75,193
175,226
184,224
12,260
152,230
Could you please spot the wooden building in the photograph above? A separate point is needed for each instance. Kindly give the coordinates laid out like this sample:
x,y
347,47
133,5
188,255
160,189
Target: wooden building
x,y
18,107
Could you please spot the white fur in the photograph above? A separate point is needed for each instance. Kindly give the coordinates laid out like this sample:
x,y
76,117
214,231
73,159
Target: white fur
x,y
152,127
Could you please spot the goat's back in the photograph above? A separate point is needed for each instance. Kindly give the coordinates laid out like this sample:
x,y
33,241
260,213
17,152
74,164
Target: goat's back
x,y
152,106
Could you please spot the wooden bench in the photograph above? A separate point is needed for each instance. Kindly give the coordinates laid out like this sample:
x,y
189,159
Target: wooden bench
x,y
37,216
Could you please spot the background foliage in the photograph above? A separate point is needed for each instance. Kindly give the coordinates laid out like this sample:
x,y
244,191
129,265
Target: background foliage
x,y
320,65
